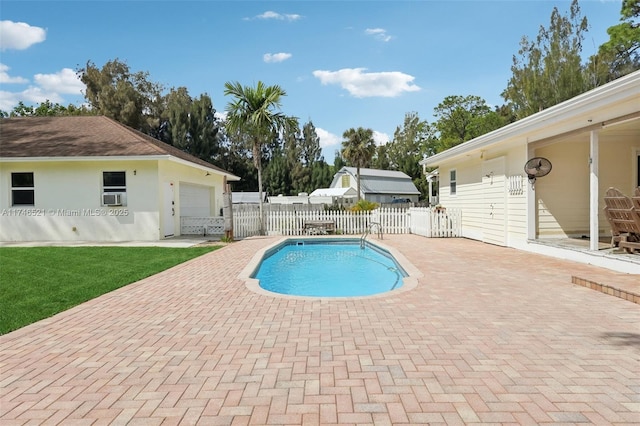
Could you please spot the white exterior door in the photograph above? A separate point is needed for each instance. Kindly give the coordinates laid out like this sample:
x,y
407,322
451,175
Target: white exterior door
x,y
195,200
168,210
494,194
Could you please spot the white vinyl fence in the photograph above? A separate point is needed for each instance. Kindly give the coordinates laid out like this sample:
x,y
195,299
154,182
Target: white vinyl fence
x,y
423,221
435,223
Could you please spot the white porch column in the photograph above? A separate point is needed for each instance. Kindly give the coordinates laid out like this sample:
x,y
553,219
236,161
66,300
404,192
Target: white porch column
x,y
593,191
531,202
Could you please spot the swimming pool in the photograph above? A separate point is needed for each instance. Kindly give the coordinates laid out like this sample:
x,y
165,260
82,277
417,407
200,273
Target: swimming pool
x,y
328,268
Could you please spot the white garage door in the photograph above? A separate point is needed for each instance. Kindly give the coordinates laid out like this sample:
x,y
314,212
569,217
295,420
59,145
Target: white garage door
x,y
195,201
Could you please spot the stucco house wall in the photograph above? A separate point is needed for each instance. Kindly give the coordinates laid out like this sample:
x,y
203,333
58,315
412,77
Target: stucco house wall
x,y
68,203
67,157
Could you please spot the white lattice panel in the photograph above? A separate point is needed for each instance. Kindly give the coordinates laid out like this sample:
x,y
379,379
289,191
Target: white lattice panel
x,y
202,226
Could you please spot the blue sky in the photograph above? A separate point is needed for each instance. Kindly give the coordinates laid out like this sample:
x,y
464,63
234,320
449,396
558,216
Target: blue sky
x,y
343,64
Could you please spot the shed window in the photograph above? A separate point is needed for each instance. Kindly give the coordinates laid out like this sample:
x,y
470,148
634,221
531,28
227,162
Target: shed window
x,y
22,189
345,181
452,182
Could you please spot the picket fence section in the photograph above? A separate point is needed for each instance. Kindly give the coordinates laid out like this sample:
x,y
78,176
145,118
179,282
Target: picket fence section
x,y
435,223
392,220
416,220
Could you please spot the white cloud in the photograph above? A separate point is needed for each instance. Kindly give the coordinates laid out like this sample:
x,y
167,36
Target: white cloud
x,y
378,34
64,81
276,57
8,100
362,84
49,87
19,36
380,138
278,16
5,78
30,96
327,139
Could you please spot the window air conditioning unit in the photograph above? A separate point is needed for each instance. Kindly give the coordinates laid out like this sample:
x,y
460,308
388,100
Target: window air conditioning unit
x,y
112,199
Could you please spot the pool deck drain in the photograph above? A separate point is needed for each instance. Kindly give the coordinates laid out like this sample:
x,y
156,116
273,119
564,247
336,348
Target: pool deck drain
x,y
488,335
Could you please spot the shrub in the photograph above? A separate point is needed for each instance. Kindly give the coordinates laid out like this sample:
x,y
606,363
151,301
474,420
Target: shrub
x,y
364,206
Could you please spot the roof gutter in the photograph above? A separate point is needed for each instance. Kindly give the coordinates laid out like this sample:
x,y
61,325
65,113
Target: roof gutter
x,y
230,177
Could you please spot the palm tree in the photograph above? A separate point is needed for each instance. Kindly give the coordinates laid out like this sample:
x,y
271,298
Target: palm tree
x,y
254,114
358,148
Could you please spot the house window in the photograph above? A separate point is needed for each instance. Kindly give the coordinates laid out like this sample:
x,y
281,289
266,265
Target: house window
x,y
114,182
345,181
452,182
114,189
22,189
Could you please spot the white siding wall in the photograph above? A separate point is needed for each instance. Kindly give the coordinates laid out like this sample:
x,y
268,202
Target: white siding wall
x,y
562,197
68,203
476,192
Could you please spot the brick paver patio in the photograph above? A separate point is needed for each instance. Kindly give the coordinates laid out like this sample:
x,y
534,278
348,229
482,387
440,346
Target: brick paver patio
x,y
489,335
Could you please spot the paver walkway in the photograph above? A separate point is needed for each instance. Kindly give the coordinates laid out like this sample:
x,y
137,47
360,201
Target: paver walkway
x,y
489,335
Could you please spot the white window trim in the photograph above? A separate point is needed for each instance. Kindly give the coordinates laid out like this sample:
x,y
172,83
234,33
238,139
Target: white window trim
x,y
114,189
23,188
452,192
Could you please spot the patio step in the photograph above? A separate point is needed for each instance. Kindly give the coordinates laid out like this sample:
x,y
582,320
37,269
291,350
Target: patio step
x,y
624,290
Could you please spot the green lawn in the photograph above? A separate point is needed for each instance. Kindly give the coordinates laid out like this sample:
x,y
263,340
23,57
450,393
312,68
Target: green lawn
x,y
38,282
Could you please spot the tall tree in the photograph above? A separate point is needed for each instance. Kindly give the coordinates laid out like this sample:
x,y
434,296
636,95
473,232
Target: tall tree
x,y
321,174
338,161
460,119
358,148
411,142
234,155
176,116
381,158
302,158
202,140
620,55
254,111
128,97
189,124
548,70
310,150
278,176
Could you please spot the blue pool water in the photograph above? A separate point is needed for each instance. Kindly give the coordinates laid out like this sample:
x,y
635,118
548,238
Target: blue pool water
x,y
334,268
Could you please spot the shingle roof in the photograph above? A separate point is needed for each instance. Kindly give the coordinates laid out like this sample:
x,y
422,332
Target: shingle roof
x,y
83,136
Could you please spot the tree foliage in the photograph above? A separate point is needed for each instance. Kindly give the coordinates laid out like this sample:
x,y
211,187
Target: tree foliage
x,y
462,118
358,148
411,142
46,109
548,70
620,55
255,113
116,92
